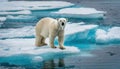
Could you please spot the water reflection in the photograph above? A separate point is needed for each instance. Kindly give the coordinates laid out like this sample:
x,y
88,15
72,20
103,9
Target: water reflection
x,y
50,64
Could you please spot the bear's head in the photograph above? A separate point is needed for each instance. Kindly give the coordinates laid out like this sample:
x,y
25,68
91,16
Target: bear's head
x,y
62,23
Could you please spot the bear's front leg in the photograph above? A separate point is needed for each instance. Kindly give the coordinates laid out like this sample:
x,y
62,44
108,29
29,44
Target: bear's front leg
x,y
61,39
51,41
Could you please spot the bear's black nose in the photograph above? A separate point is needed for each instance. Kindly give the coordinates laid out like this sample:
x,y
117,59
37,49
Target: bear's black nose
x,y
62,23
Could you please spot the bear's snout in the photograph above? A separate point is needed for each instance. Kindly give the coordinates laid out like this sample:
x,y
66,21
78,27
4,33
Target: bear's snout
x,y
62,23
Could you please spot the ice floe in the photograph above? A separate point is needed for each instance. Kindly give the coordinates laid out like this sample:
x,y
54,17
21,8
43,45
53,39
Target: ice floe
x,y
33,5
81,12
74,28
26,46
80,33
13,50
112,35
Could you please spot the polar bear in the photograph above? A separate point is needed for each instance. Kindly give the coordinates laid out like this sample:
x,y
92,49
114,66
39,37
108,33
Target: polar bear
x,y
50,27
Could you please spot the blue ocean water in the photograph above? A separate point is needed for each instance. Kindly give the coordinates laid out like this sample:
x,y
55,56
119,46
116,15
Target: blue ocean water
x,y
84,33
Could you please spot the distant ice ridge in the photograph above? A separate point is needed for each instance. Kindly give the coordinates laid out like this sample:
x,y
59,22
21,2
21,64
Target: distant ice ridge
x,y
81,12
33,5
25,50
110,36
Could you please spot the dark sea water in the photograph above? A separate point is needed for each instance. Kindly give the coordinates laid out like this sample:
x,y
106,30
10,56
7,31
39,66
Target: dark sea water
x,y
112,7
101,59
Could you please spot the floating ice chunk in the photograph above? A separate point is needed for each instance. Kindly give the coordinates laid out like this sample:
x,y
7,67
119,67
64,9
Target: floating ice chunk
x,y
33,5
26,46
81,12
80,33
112,35
2,19
17,12
101,35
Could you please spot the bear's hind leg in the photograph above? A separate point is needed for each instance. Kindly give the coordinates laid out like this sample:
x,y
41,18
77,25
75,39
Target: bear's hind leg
x,y
43,41
38,41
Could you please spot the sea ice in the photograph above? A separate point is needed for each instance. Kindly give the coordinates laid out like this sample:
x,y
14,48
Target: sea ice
x,y
33,5
81,12
78,27
17,50
29,31
112,35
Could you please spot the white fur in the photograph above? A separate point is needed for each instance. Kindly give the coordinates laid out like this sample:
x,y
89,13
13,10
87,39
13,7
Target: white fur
x,y
49,27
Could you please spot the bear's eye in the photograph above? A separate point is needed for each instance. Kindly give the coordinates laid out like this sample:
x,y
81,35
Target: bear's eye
x,y
60,20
